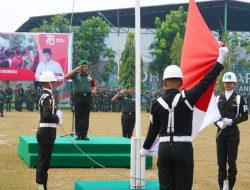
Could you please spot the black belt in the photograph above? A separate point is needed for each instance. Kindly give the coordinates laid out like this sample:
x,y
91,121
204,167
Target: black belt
x,y
83,93
129,113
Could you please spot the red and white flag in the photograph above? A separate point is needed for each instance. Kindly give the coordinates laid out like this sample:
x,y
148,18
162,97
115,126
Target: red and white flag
x,y
199,53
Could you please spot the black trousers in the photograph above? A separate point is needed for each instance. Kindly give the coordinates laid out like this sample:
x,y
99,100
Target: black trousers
x,y
128,124
227,150
82,112
45,138
175,165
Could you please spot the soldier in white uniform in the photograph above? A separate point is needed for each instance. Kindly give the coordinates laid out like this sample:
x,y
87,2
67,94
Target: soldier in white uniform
x,y
46,134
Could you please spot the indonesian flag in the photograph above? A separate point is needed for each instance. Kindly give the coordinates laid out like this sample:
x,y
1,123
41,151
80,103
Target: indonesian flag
x,y
199,53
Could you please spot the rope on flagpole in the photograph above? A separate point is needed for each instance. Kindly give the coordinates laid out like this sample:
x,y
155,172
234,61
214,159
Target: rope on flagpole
x,y
94,161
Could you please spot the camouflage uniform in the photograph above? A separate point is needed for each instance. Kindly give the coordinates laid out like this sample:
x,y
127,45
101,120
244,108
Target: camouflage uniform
x,y
30,98
9,96
2,99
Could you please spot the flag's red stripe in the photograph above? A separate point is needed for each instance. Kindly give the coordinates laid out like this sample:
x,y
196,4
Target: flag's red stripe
x,y
200,51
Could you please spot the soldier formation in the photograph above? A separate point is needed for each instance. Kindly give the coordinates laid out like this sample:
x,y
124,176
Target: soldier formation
x,y
19,96
101,102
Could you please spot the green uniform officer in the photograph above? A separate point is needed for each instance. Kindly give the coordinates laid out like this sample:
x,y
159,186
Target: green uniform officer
x,y
9,97
2,99
83,88
21,97
128,110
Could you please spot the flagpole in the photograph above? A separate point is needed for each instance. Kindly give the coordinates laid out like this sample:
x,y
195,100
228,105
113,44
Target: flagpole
x,y
137,170
138,67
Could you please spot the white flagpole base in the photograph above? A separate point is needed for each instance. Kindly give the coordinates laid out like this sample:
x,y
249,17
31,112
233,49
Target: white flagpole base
x,y
137,164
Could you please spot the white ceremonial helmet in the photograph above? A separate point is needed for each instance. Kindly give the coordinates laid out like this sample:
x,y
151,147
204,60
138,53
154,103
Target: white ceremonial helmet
x,y
47,76
229,77
172,71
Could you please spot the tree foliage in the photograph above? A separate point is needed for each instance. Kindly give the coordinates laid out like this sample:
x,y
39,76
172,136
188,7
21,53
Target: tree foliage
x,y
57,24
238,47
127,68
89,40
176,50
165,34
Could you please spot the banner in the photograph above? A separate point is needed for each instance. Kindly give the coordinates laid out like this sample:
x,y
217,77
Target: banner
x,y
24,56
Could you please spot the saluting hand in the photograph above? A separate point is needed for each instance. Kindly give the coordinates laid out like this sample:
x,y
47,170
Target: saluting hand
x,y
122,91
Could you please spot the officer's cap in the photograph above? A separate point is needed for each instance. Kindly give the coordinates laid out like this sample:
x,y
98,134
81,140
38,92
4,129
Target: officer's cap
x,y
127,86
47,50
83,62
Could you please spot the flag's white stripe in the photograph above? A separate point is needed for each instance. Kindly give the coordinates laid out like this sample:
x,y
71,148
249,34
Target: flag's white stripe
x,y
202,119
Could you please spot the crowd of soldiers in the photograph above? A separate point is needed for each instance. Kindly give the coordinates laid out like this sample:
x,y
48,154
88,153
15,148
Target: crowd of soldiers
x,y
101,101
19,96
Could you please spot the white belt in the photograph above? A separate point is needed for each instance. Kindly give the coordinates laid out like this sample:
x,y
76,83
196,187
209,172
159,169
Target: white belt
x,y
176,139
53,125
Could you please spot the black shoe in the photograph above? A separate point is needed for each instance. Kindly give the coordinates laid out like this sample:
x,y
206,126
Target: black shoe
x,y
78,138
85,138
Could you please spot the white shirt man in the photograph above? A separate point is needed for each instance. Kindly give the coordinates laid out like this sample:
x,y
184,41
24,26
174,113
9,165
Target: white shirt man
x,y
49,65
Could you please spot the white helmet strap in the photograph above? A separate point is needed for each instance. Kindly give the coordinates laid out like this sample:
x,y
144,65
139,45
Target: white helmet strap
x,y
51,86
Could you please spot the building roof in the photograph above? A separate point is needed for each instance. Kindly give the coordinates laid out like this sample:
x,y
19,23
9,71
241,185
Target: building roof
x,y
212,12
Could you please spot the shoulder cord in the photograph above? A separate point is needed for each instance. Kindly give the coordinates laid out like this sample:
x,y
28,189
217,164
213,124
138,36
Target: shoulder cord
x,y
42,98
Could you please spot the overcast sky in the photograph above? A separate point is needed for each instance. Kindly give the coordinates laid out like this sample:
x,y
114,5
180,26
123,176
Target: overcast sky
x,y
13,13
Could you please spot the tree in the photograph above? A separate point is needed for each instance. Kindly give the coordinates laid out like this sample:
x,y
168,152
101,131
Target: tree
x,y
164,36
127,69
176,50
57,24
237,58
89,40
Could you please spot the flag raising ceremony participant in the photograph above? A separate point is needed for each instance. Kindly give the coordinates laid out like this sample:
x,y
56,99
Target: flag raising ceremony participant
x,y
46,134
234,110
173,115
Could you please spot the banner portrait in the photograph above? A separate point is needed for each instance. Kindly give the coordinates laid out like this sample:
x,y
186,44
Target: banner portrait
x,y
24,56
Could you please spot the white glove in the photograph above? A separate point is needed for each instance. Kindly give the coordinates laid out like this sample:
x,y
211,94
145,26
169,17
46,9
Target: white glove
x,y
227,121
222,54
59,114
144,152
225,185
221,124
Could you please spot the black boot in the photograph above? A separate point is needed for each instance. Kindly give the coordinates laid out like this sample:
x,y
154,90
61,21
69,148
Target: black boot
x,y
85,138
78,137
